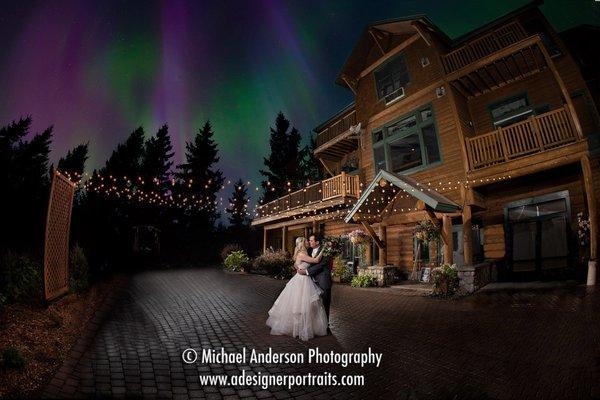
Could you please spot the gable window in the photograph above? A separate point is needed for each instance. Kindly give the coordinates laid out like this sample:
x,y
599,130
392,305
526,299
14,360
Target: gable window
x,y
391,78
407,144
511,110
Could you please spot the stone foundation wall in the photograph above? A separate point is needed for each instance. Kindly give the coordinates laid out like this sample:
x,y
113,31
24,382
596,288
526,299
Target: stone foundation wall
x,y
474,277
384,274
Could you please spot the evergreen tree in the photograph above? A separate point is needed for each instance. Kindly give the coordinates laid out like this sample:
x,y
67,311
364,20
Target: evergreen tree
x,y
309,163
199,177
238,207
126,159
73,163
24,180
157,161
283,173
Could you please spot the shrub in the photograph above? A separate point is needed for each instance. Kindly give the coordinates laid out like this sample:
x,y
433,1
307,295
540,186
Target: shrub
x,y
278,264
237,261
228,249
445,280
363,280
79,279
20,278
340,269
13,359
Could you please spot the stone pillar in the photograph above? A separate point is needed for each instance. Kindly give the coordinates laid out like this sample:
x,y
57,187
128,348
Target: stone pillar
x,y
448,245
382,251
467,235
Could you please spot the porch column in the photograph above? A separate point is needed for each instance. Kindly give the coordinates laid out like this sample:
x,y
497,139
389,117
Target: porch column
x,y
314,228
369,254
284,238
448,244
306,232
382,250
592,215
467,235
264,239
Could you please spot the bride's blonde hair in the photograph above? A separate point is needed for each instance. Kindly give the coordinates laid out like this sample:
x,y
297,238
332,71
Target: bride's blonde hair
x,y
300,248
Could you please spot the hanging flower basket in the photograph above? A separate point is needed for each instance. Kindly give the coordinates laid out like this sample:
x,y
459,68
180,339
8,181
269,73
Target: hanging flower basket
x,y
358,236
427,231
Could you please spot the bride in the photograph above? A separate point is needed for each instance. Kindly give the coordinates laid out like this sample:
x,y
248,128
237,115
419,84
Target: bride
x,y
299,311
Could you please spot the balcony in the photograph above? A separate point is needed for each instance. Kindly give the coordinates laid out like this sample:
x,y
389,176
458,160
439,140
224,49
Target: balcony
x,y
478,73
327,193
338,139
483,46
537,134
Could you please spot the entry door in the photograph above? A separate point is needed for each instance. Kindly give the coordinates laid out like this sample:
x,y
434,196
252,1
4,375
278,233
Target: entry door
x,y
458,252
538,234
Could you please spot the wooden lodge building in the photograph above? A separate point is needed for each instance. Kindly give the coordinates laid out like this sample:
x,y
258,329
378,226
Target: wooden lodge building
x,y
490,135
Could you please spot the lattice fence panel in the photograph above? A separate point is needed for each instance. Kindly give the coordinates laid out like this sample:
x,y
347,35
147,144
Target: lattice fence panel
x,y
56,245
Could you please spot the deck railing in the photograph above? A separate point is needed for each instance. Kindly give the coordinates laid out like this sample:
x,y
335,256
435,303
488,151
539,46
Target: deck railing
x,y
337,128
342,185
483,46
534,135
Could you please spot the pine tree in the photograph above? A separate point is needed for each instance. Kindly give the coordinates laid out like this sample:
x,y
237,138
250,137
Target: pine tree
x,y
126,159
238,207
24,179
157,161
73,163
283,174
309,163
198,176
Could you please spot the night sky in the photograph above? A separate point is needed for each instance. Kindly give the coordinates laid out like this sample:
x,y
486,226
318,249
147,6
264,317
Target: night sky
x,y
98,69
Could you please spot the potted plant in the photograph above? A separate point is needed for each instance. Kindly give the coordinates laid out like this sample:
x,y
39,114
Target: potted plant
x,y
445,280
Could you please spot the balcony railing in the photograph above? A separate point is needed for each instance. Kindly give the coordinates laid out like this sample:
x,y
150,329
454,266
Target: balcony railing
x,y
534,135
337,128
342,185
483,46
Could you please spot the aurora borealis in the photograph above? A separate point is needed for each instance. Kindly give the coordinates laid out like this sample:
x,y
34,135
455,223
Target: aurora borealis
x,y
98,69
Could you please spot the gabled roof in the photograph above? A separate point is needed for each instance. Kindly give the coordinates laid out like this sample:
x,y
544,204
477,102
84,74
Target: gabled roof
x,y
396,26
404,25
430,197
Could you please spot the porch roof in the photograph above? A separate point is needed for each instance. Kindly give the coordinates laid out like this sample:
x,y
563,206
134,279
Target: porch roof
x,y
431,198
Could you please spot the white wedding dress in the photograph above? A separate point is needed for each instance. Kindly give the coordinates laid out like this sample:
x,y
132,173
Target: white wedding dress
x,y
299,311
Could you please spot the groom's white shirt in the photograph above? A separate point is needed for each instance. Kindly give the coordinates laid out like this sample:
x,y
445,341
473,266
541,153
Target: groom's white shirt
x,y
315,251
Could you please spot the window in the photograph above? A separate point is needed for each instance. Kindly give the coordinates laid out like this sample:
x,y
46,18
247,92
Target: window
x,y
511,110
391,76
407,144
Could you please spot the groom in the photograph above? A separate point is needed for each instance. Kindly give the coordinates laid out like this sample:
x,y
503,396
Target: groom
x,y
320,273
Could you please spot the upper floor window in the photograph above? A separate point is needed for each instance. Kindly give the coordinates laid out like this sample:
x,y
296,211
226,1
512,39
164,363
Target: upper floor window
x,y
408,143
391,78
511,110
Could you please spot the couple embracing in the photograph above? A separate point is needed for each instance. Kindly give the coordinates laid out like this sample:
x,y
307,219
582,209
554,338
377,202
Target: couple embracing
x,y
302,308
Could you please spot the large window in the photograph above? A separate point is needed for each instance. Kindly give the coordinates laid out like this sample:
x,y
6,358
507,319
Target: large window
x,y
408,143
391,76
511,110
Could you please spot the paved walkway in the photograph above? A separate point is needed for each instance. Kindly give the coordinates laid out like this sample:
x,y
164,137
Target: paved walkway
x,y
532,344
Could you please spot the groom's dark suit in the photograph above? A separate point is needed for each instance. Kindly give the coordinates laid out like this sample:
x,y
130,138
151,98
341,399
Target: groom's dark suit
x,y
321,274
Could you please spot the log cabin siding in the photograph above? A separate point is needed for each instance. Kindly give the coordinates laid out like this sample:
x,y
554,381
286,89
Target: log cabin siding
x,y
367,103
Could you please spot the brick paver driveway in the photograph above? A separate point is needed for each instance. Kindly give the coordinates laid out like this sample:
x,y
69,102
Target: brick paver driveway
x,y
542,344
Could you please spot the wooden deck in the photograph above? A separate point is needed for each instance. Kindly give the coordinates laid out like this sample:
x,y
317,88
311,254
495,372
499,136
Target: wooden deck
x,y
322,194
